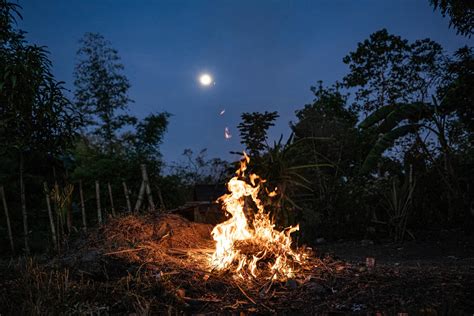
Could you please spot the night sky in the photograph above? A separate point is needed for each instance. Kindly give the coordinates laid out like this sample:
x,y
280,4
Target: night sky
x,y
263,55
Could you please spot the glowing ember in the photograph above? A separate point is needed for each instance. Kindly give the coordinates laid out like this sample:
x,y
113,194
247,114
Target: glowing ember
x,y
227,133
252,247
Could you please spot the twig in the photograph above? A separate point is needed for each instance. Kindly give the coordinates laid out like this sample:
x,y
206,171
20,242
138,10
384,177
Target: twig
x,y
123,251
245,294
200,300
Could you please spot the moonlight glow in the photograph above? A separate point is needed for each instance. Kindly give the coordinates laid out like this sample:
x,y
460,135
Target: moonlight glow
x,y
205,79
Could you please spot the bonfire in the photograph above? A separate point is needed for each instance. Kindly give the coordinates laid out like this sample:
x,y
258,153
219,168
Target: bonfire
x,y
252,247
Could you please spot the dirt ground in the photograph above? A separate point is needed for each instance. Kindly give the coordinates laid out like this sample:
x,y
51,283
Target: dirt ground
x,y
436,269
139,265
446,247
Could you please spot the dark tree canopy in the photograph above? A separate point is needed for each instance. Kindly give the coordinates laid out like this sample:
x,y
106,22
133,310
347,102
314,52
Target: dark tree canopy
x,y
386,69
461,13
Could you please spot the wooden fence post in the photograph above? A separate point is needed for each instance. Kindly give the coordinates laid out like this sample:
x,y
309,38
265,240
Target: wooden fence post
x,y
111,199
83,207
50,215
97,196
59,211
147,186
140,197
5,208
23,204
127,197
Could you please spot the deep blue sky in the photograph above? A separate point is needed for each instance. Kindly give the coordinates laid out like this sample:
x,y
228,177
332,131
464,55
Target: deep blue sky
x,y
264,55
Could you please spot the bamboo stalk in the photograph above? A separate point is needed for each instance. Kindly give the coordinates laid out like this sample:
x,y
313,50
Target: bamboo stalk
x,y
50,215
127,197
58,216
147,186
68,210
7,216
140,197
23,204
97,195
67,207
83,207
59,211
111,199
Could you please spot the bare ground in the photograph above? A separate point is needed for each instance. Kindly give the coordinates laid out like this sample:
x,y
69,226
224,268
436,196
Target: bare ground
x,y
149,264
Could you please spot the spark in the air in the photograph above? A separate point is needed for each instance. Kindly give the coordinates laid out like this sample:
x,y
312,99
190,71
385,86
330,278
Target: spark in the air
x,y
227,133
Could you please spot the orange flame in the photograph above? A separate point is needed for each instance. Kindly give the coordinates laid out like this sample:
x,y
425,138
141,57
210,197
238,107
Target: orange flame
x,y
252,247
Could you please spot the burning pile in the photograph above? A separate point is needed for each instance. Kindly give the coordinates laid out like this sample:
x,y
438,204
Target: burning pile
x,y
252,247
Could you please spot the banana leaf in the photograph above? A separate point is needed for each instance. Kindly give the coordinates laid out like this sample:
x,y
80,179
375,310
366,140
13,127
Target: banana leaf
x,y
383,143
411,111
377,116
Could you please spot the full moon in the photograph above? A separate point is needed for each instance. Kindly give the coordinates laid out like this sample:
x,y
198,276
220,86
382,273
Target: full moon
x,y
205,79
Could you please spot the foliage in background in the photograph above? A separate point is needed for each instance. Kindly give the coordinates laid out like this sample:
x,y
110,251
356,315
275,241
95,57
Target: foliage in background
x,y
35,116
387,120
113,144
404,111
253,130
198,169
461,13
329,126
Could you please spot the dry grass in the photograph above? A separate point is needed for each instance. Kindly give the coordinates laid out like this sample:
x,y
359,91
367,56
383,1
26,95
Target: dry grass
x,y
36,289
159,265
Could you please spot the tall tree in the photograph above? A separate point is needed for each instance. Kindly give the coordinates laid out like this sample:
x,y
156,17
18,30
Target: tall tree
x,y
101,88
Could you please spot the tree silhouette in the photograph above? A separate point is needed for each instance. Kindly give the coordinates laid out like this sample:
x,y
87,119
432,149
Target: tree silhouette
x,y
35,116
253,130
387,69
101,87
